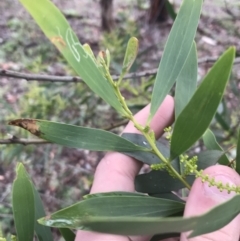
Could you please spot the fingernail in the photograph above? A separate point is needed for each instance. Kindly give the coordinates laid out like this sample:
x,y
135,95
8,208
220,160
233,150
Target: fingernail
x,y
214,192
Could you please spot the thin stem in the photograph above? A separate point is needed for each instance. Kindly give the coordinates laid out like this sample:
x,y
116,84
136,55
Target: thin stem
x,y
123,102
120,79
146,133
183,191
71,79
159,154
115,85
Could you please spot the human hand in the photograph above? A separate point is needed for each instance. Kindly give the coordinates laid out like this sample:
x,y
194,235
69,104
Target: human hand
x,y
116,172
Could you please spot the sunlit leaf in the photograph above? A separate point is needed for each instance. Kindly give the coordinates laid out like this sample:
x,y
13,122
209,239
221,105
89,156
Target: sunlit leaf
x,y
176,51
186,83
76,136
23,205
57,29
211,143
197,115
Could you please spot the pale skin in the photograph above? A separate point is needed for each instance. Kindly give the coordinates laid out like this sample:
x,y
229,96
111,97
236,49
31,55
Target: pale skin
x,y
116,172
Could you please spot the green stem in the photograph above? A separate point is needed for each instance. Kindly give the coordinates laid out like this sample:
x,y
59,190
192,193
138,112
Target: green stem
x,y
159,154
143,130
129,114
183,191
123,102
120,79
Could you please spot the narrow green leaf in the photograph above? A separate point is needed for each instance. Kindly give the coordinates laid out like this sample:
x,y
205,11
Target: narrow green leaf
x,y
170,9
224,124
57,29
176,51
67,234
208,158
144,225
211,143
130,55
23,205
197,115
186,83
159,182
112,206
76,136
238,154
43,233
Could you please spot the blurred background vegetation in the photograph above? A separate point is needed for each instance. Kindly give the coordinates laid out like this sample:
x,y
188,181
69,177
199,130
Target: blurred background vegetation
x,y
64,175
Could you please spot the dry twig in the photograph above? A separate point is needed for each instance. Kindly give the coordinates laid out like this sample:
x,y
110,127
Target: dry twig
x,y
22,141
71,79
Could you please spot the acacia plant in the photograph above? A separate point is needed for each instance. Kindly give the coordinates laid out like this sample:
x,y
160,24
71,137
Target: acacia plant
x,y
160,211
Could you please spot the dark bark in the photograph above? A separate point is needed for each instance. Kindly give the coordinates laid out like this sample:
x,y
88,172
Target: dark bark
x,y
106,14
158,11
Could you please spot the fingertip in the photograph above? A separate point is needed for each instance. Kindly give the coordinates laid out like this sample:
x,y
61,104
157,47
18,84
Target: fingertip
x,y
224,175
203,197
207,195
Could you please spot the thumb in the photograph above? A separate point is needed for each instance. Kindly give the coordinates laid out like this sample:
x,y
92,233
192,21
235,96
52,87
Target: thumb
x,y
202,198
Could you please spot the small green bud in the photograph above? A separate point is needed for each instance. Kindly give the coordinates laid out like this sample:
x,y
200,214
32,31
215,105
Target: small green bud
x,y
130,55
89,51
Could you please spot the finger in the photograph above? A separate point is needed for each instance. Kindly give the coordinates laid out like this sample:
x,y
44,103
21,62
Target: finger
x,y
116,172
163,117
202,198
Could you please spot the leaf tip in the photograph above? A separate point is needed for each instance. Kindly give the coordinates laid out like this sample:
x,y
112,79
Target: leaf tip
x,y
44,220
19,166
27,124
